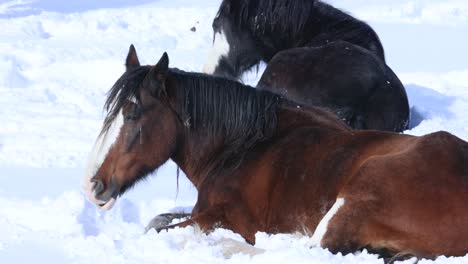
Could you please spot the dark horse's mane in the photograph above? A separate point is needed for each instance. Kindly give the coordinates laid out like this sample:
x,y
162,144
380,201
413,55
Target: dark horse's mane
x,y
286,16
289,17
241,116
297,21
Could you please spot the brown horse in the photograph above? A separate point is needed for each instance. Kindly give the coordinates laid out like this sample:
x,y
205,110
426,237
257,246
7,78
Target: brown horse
x,y
262,163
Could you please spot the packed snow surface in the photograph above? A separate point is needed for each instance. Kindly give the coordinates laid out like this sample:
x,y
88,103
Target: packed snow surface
x,y
59,58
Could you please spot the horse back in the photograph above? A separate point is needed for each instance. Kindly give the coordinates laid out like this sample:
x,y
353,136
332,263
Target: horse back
x,y
323,76
348,79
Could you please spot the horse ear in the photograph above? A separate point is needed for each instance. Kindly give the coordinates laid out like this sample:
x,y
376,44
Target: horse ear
x,y
132,59
158,74
162,67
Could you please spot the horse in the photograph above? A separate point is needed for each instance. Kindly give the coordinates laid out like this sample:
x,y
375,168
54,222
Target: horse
x,y
316,54
264,163
249,31
345,78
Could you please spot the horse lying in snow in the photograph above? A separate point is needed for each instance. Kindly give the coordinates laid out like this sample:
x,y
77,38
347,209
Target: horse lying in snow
x,y
263,163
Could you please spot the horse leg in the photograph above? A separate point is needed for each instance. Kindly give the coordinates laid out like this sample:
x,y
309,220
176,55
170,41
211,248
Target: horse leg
x,y
351,229
234,217
162,220
239,220
206,220
338,230
401,257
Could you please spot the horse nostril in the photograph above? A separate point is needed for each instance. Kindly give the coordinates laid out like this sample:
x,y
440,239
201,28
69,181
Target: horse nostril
x,y
98,187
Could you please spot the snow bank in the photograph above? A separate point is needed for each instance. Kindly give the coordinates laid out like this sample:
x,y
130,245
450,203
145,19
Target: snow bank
x,y
451,12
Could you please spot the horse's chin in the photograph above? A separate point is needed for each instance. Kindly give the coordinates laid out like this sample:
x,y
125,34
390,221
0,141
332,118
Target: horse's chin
x,y
103,205
107,205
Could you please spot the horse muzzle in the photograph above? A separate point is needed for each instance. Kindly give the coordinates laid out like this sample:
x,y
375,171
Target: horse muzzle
x,y
103,197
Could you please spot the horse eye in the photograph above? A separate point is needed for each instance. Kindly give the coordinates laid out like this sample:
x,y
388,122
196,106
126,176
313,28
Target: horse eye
x,y
133,116
130,117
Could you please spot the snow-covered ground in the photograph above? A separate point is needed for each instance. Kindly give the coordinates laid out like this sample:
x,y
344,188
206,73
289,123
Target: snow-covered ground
x,y
59,58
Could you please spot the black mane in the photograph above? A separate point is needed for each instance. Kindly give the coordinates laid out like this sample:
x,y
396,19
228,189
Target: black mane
x,y
238,114
242,116
301,23
285,16
225,106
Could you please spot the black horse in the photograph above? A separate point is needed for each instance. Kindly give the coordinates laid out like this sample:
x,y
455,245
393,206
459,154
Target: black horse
x,y
249,31
343,70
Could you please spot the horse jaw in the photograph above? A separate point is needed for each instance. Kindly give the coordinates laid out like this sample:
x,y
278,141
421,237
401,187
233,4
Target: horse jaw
x,y
108,205
219,49
96,157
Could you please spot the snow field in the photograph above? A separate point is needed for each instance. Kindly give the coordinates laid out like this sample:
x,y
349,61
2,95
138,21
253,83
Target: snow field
x,y
58,60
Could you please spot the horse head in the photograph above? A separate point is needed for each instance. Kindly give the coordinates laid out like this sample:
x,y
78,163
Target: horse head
x,y
138,135
234,48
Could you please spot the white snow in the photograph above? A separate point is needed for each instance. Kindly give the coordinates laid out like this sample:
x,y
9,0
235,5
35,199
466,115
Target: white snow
x,y
59,58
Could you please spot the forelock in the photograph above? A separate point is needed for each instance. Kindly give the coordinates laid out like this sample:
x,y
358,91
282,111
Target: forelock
x,y
126,88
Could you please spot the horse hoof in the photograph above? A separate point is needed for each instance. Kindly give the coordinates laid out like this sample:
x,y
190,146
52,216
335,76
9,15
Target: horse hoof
x,y
161,221
401,257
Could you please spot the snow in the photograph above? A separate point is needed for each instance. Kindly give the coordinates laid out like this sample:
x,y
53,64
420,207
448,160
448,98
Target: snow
x,y
58,60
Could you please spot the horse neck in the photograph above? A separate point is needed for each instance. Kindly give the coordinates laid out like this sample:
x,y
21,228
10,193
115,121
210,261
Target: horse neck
x,y
322,21
199,156
191,147
196,155
329,15
330,23
206,144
